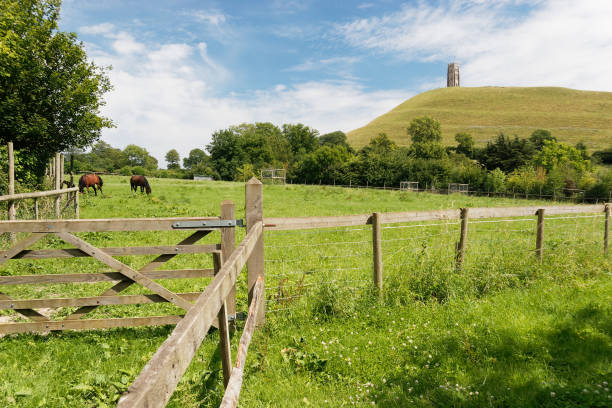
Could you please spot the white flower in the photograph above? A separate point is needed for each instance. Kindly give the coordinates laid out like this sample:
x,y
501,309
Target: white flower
x,y
553,395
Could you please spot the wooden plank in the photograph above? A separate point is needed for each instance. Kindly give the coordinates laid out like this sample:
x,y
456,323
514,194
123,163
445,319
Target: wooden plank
x,y
150,267
315,222
228,243
37,194
124,269
413,216
20,246
253,209
90,301
377,251
94,225
6,255
118,251
225,347
530,211
232,390
8,328
156,382
102,277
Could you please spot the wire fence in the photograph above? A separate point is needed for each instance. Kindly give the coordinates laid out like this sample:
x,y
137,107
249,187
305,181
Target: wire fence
x,y
300,263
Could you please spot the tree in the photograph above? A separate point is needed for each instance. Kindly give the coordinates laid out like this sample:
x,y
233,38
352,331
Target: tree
x,y
425,129
554,155
426,135
50,94
173,159
138,156
539,136
465,144
337,138
302,139
196,157
506,153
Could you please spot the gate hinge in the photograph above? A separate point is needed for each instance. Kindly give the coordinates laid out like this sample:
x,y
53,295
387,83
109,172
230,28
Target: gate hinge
x,y
208,224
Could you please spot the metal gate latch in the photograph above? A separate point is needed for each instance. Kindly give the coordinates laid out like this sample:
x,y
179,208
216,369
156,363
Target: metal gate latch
x,y
208,224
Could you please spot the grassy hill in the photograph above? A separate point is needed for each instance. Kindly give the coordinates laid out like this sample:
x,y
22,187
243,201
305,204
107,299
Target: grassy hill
x,y
571,115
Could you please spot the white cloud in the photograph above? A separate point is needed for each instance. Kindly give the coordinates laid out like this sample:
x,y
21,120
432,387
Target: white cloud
x,y
97,29
214,18
312,65
164,97
557,43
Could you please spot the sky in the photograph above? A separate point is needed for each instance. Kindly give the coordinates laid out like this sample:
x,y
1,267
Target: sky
x,y
183,69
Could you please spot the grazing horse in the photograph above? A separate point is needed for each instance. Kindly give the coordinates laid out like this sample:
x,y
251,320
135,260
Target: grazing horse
x,y
90,180
140,181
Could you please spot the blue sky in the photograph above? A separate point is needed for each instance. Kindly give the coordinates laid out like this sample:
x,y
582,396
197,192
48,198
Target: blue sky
x,y
184,68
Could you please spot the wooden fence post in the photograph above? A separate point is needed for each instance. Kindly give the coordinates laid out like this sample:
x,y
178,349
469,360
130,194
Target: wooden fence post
x,y
11,187
61,183
460,249
607,229
224,340
228,243
36,215
76,205
540,234
377,251
255,264
57,184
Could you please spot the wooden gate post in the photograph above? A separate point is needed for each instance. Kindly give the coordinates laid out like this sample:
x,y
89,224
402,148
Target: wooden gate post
x,y
607,229
255,264
11,187
228,243
460,249
377,251
540,234
57,184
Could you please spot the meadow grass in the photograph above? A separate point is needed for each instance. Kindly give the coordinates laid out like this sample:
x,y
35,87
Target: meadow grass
x,y
571,115
501,331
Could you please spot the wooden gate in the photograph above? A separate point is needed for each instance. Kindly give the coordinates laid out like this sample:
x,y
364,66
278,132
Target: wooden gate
x,y
122,275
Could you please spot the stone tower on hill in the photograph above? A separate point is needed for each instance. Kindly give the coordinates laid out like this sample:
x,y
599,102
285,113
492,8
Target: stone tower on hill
x,y
452,78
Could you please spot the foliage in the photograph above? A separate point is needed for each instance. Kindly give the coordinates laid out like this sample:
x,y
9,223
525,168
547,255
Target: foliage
x,y
197,157
603,156
554,154
465,144
425,130
173,159
507,154
139,156
50,93
539,137
335,138
302,139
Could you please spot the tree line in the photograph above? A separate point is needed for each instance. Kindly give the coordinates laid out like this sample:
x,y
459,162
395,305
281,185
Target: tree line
x,y
539,164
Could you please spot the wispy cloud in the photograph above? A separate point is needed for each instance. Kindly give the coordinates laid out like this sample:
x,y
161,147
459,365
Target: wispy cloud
x,y
102,28
214,18
557,42
313,65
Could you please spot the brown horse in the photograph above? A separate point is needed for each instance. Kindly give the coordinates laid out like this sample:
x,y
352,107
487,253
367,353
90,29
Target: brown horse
x,y
140,181
90,180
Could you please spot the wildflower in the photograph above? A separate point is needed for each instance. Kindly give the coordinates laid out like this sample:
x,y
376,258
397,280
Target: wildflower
x,y
384,380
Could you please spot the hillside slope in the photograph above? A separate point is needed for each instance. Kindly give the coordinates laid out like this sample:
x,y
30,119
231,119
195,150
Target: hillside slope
x,y
570,115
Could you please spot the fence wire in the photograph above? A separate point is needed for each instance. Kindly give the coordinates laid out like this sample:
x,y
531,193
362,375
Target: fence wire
x,y
301,263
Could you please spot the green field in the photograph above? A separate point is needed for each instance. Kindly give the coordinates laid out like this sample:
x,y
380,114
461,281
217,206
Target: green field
x,y
502,331
571,115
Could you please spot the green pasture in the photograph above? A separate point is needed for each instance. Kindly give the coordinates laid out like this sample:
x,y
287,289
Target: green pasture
x,y
501,331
